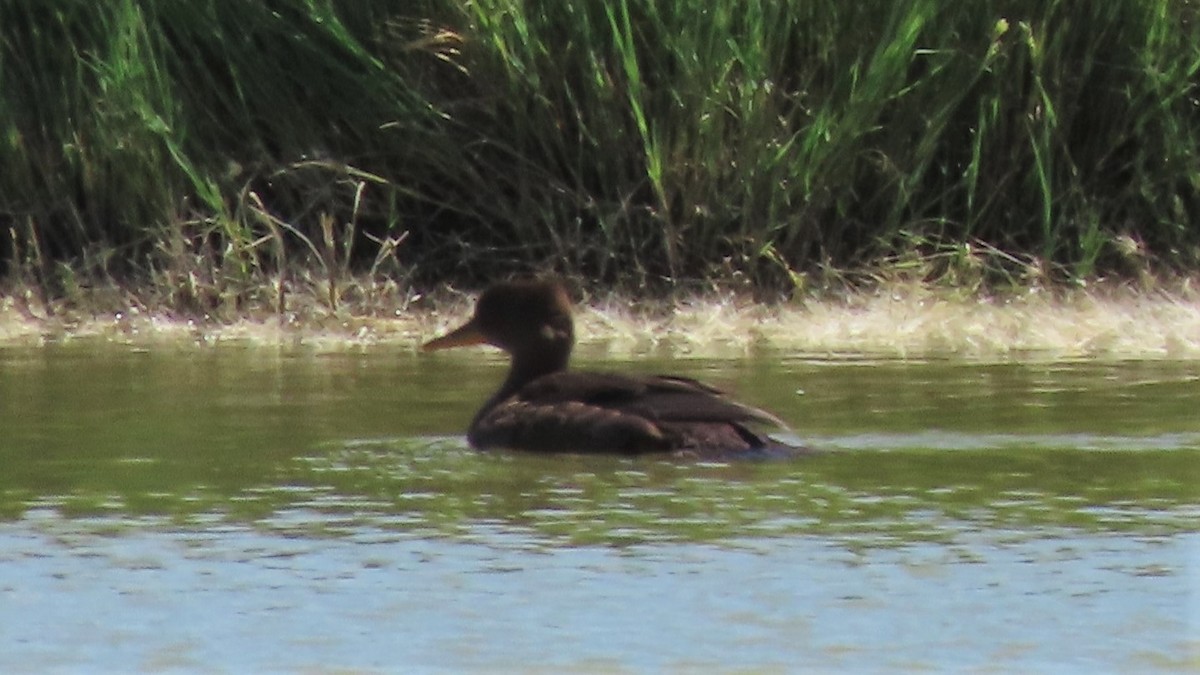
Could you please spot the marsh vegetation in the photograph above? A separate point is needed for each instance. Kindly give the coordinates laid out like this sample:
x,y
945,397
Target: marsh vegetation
x,y
230,155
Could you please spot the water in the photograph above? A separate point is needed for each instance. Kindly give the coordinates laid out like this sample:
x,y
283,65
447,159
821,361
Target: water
x,y
249,509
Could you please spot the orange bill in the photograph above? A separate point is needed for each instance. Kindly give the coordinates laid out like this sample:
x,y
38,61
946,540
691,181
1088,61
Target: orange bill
x,y
463,336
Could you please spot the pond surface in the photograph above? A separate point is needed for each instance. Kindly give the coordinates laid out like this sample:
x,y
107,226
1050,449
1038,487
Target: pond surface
x,y
248,508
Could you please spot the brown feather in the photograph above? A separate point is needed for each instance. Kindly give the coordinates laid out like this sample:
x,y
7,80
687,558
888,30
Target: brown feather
x,y
543,407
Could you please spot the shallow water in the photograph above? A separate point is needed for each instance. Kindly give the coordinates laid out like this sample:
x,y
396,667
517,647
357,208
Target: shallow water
x,y
242,509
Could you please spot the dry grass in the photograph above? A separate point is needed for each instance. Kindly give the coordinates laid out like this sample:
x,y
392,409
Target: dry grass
x,y
914,322
903,321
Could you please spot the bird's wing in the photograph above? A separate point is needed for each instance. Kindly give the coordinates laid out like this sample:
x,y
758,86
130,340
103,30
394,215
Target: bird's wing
x,y
655,398
566,426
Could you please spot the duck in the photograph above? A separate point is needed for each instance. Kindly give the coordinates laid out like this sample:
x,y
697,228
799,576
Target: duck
x,y
544,407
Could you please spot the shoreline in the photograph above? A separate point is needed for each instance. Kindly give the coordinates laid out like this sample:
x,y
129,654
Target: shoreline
x,y
901,321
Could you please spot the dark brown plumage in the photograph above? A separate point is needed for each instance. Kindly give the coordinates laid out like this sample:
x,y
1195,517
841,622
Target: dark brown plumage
x,y
543,407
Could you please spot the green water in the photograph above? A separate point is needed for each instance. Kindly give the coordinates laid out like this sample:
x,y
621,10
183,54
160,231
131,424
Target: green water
x,y
235,508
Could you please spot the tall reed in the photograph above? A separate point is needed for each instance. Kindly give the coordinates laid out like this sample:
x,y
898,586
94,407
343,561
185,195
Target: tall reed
x,y
629,141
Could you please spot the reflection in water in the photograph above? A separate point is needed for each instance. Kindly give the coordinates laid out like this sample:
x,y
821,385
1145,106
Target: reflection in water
x,y
900,496
249,508
244,600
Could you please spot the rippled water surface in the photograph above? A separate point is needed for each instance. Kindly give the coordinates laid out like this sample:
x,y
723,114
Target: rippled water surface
x,y
245,509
